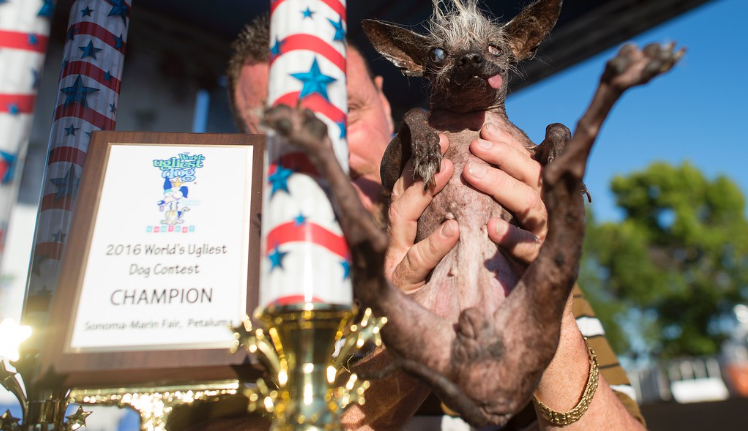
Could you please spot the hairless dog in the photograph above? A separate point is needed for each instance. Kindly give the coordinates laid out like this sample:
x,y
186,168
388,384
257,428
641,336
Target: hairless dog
x,y
496,327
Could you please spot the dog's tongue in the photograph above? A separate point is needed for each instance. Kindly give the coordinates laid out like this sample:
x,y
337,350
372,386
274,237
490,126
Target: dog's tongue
x,y
495,81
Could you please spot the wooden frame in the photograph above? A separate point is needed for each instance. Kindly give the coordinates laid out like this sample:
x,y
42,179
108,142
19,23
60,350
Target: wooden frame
x,y
142,364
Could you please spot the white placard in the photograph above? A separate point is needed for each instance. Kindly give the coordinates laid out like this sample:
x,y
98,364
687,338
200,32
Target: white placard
x,y
168,257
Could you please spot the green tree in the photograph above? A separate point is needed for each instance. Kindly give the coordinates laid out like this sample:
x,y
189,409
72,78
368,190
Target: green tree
x,y
676,264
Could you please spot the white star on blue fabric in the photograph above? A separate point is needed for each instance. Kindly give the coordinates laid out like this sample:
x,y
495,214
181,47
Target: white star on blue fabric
x,y
90,50
119,8
279,180
343,129
300,220
307,13
48,9
275,50
346,269
8,163
276,258
71,129
67,186
339,30
314,81
77,93
86,12
118,42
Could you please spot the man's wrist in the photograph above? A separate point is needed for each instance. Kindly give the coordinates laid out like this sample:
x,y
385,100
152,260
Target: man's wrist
x,y
566,376
573,415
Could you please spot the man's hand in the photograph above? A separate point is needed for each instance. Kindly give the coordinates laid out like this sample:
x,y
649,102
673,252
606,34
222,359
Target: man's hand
x,y
517,185
407,264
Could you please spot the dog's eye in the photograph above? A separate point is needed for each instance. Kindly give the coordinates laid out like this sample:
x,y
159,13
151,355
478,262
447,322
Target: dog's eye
x,y
494,50
438,55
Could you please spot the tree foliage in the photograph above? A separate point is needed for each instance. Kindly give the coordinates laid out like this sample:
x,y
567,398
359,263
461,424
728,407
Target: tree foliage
x,y
676,264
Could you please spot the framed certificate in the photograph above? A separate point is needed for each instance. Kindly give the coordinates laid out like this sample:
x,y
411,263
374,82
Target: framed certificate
x,y
162,256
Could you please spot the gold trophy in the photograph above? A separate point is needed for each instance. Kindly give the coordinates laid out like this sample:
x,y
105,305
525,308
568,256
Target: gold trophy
x,y
305,392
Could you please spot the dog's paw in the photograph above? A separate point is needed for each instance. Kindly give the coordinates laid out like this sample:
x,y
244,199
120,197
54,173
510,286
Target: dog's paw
x,y
298,126
427,157
633,66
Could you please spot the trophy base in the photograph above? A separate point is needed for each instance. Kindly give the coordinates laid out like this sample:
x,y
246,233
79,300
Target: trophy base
x,y
304,337
155,404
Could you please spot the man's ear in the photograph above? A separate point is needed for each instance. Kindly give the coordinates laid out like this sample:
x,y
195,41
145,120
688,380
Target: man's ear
x,y
532,25
379,83
406,49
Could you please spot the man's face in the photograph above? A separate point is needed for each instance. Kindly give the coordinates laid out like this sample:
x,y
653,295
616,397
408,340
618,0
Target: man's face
x,y
369,129
369,122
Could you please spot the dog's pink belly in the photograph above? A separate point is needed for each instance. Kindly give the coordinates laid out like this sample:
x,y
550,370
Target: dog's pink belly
x,y
475,273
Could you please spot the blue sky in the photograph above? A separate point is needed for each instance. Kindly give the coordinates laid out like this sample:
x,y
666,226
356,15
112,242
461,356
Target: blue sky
x,y
696,112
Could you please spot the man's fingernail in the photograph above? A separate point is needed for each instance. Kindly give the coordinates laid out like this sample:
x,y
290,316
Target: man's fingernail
x,y
476,170
448,229
485,145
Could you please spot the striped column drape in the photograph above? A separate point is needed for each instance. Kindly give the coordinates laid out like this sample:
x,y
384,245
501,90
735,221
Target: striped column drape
x,y
89,85
24,34
306,258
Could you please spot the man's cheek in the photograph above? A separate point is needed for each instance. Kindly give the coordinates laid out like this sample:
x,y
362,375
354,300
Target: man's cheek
x,y
357,150
369,191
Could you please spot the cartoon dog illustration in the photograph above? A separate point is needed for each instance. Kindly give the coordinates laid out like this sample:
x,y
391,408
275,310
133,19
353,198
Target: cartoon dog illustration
x,y
169,205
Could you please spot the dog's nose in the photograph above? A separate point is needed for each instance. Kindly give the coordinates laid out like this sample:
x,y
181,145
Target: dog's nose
x,y
471,59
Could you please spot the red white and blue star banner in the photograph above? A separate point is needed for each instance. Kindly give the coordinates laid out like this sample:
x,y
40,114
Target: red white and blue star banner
x,y
24,32
87,99
306,259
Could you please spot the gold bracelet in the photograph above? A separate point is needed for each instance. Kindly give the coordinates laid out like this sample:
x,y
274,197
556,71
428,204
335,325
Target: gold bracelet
x,y
573,415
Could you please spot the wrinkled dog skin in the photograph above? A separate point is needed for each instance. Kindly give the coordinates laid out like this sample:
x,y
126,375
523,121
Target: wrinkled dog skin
x,y
497,327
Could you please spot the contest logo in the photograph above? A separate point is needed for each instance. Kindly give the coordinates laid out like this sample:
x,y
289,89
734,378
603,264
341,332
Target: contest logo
x,y
177,173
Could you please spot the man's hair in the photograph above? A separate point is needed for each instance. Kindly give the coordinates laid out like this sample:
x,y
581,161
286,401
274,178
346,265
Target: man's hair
x,y
251,46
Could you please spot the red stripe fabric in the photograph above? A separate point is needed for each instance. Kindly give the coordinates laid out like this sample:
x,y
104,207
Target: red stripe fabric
x,y
88,69
309,42
97,31
306,232
295,299
78,111
21,103
51,250
335,5
49,203
67,154
297,162
23,41
315,102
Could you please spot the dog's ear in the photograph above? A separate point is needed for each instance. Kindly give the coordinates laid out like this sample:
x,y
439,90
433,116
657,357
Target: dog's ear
x,y
531,26
406,49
